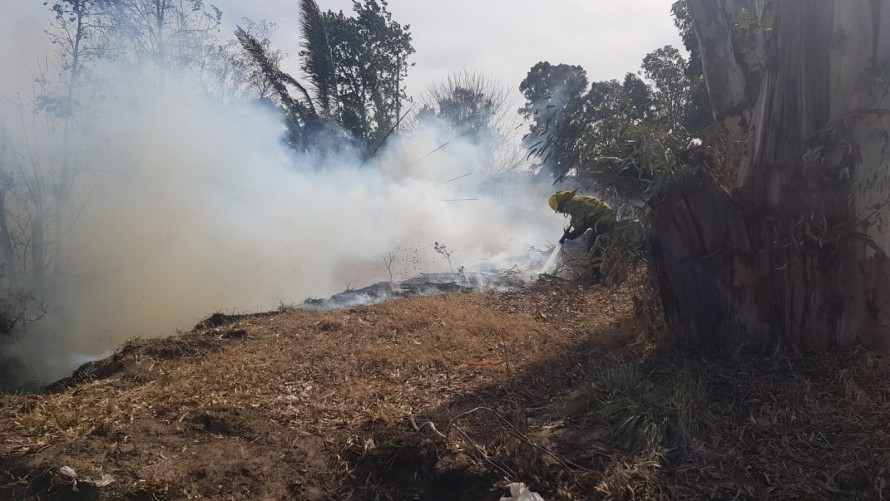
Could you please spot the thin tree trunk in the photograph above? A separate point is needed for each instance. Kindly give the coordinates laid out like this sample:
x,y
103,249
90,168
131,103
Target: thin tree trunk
x,y
6,249
38,250
64,182
160,18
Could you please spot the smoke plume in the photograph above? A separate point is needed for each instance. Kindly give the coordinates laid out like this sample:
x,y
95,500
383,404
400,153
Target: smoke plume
x,y
159,202
186,207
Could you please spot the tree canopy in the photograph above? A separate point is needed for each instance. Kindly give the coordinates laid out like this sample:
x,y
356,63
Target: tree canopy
x,y
620,134
354,67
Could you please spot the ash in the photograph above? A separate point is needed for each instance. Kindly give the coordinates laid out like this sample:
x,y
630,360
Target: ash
x,y
427,284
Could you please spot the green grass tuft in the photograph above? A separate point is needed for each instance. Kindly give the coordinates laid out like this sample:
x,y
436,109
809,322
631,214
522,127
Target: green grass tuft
x,y
642,415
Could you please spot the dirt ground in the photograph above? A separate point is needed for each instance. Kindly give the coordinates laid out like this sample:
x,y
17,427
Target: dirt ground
x,y
443,398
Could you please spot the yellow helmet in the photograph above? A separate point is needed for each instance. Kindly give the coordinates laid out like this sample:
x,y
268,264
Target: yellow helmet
x,y
560,198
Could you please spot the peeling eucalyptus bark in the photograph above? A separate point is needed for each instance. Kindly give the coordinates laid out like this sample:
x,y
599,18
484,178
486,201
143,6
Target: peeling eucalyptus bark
x,y
794,256
732,60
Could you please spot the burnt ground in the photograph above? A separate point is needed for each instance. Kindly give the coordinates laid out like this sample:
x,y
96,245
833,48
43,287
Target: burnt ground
x,y
448,397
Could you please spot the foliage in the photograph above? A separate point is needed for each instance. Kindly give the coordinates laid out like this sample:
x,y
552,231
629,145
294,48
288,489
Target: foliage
x,y
355,66
688,406
473,107
626,140
642,416
80,32
19,304
699,113
554,105
161,36
470,104
628,137
317,60
467,112
618,396
683,22
622,251
638,132
299,112
667,71
232,73
370,54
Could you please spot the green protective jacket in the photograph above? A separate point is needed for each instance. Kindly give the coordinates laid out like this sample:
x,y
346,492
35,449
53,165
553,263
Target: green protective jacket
x,y
587,212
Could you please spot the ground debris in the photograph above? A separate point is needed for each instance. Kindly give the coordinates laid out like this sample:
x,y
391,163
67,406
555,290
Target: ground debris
x,y
446,397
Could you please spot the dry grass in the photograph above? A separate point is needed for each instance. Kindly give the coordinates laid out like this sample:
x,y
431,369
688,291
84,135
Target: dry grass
x,y
435,397
339,376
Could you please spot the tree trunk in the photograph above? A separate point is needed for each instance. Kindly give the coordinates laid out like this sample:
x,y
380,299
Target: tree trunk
x,y
8,266
793,254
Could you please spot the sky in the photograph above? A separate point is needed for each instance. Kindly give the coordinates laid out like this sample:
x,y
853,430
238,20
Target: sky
x,y
503,38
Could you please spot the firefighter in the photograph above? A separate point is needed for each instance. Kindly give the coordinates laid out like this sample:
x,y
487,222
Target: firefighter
x,y
586,212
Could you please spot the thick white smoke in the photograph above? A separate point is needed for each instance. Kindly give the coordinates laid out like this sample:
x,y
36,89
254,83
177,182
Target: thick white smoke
x,y
190,207
182,206
24,47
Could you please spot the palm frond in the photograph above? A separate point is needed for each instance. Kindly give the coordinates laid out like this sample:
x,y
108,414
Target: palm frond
x,y
278,79
318,62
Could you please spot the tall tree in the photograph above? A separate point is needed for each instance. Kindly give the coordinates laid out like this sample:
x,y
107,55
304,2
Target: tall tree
x,y
229,72
623,125
370,53
300,114
165,35
666,69
791,253
683,22
470,104
80,33
317,60
472,107
355,67
554,97
9,263
698,116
